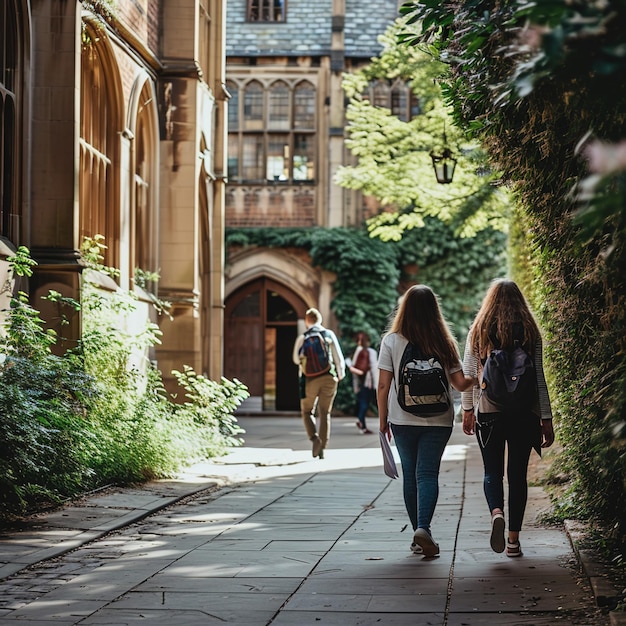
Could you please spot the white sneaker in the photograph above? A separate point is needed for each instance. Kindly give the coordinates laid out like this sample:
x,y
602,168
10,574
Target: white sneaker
x,y
425,541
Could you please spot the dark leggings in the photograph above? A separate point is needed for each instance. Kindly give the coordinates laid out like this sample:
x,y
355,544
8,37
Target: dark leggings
x,y
512,434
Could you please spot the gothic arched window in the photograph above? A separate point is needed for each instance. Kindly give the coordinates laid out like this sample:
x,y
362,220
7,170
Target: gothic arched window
x,y
99,141
144,206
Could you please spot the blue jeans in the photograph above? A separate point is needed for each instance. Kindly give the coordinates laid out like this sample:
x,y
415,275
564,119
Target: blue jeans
x,y
420,449
364,397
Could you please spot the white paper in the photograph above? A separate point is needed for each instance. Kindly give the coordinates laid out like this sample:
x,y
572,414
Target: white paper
x,y
389,463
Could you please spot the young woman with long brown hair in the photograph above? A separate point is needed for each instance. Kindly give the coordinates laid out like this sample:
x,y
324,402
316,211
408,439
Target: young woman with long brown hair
x,y
503,322
420,440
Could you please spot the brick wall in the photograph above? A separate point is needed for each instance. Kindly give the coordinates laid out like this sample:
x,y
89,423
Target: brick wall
x,y
141,18
154,15
291,206
133,14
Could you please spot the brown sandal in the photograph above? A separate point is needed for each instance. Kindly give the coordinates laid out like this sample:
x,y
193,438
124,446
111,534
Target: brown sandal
x,y
513,549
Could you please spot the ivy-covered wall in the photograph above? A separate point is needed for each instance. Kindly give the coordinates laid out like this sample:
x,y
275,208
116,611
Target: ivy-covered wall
x,y
542,85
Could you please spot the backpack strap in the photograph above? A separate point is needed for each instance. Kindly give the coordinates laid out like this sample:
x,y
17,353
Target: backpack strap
x,y
331,355
411,351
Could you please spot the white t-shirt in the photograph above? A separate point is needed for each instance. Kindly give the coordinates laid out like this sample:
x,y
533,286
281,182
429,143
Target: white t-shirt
x,y
389,357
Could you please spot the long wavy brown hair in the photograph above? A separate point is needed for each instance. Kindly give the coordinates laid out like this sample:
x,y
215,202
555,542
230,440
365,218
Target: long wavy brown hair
x,y
503,314
419,319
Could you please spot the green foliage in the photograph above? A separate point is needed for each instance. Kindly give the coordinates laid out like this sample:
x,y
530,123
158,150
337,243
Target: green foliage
x,y
42,401
100,413
104,9
394,163
532,80
21,264
211,406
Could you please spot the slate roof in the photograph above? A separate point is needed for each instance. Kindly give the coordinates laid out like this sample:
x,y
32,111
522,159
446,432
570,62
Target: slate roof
x,y
308,29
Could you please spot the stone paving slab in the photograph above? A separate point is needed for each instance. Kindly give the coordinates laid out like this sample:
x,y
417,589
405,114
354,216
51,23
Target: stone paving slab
x,y
113,616
396,565
53,611
515,593
165,581
501,619
322,532
369,586
376,603
46,622
216,604
468,564
215,563
313,618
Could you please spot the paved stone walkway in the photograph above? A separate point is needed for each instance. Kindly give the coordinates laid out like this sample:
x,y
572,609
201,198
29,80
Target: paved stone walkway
x,y
272,536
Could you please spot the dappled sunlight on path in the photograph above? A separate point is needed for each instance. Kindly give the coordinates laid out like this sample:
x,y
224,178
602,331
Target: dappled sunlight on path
x,y
250,462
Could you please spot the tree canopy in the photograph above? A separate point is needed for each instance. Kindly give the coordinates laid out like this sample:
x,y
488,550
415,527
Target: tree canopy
x,y
393,161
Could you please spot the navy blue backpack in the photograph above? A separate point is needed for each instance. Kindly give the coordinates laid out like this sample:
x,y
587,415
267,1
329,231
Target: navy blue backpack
x,y
509,379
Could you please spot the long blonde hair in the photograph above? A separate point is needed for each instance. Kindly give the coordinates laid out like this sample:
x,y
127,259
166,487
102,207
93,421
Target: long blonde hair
x,y
503,314
420,321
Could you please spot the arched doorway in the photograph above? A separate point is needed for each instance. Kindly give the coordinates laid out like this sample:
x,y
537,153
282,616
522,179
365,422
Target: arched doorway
x,y
261,323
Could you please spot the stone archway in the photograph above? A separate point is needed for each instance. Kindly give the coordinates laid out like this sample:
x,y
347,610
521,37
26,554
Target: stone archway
x,y
261,325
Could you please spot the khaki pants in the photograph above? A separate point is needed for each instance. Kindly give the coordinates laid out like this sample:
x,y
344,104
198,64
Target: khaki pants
x,y
320,392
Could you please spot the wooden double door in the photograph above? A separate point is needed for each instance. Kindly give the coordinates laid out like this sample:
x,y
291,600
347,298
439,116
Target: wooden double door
x,y
261,325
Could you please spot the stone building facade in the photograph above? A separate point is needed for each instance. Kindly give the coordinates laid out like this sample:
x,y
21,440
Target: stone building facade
x,y
285,61
117,127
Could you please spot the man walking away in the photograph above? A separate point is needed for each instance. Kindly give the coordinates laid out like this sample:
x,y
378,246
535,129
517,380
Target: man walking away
x,y
322,366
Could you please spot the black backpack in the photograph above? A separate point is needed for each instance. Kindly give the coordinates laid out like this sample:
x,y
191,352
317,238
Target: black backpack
x,y
509,379
422,384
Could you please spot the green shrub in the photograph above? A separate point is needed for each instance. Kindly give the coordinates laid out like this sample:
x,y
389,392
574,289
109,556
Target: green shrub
x,y
99,414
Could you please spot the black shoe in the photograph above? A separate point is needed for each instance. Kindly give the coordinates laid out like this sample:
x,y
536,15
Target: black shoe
x,y
497,532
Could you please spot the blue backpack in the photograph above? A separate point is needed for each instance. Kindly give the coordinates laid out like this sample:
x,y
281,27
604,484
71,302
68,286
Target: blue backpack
x,y
315,353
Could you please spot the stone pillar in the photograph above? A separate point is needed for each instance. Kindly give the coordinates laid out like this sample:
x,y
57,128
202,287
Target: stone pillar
x,y
217,81
54,152
337,118
180,280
